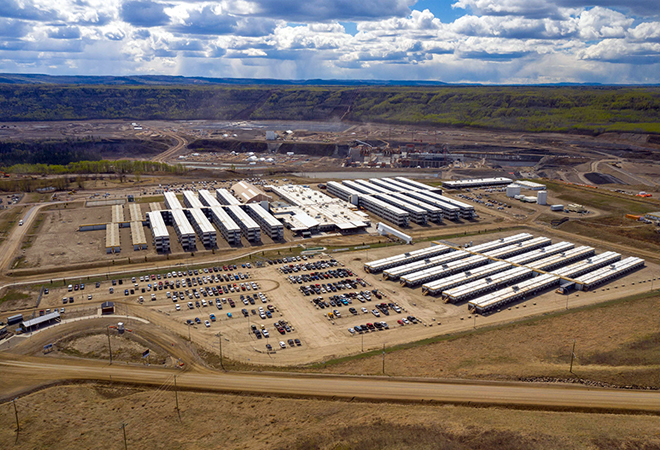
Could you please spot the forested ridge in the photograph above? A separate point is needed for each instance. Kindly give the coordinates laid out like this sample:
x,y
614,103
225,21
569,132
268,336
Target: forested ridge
x,y
522,108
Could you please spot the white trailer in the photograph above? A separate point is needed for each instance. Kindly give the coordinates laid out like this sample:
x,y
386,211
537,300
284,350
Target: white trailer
x,y
207,198
518,248
248,226
487,284
600,276
436,287
541,253
191,200
405,258
509,294
228,228
397,272
269,224
562,259
435,273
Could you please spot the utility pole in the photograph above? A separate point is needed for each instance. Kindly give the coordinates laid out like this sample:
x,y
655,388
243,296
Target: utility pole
x,y
189,333
18,427
567,297
123,427
109,345
176,396
572,356
383,359
362,335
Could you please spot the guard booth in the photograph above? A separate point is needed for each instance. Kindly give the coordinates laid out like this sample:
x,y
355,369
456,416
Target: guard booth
x,y
107,308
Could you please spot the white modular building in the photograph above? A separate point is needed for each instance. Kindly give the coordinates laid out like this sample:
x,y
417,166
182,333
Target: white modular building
x,y
159,233
360,187
562,259
269,224
435,273
436,287
191,201
465,211
433,213
202,226
541,253
171,201
207,198
382,209
117,213
372,187
389,185
137,236
449,211
531,185
249,227
509,294
477,182
184,231
487,284
417,214
112,244
518,248
499,243
155,206
405,258
136,212
416,184
588,265
397,272
343,192
608,273
228,228
226,198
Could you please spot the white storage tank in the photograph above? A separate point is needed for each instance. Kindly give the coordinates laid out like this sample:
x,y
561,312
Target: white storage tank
x,y
542,198
512,190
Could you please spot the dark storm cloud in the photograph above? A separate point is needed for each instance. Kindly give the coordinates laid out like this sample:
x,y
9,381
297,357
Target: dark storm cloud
x,y
144,13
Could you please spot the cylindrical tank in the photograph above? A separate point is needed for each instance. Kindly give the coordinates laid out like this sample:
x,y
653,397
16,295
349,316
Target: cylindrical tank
x,y
542,198
512,190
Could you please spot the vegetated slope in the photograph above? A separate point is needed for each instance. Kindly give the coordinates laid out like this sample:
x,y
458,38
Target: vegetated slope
x,y
525,108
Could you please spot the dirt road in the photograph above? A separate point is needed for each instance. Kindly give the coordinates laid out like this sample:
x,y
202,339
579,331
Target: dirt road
x,y
180,144
14,240
37,371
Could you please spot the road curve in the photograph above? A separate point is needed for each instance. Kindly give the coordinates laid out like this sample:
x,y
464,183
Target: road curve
x,y
365,388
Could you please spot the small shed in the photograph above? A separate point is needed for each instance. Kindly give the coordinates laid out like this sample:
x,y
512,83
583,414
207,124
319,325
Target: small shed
x,y
107,308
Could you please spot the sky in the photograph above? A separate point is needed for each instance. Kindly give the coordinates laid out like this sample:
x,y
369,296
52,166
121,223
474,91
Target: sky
x,y
454,41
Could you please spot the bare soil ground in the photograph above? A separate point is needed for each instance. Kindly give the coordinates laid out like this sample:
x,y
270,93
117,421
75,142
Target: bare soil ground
x,y
84,415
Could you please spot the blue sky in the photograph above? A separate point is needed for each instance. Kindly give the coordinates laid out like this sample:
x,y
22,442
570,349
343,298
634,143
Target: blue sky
x,y
480,41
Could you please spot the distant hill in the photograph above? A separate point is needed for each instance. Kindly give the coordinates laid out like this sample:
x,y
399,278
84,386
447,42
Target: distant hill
x,y
556,108
151,80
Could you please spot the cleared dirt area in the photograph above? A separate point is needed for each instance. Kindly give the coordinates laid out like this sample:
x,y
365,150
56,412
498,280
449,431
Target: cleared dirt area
x,y
82,416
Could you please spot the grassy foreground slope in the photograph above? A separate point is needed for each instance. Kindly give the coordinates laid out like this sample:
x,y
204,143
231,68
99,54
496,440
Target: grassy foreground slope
x,y
524,108
616,344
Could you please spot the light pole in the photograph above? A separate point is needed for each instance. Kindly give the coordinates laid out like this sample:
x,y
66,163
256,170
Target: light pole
x,y
109,345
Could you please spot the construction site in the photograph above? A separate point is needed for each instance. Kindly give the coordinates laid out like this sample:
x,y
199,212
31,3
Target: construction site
x,y
395,251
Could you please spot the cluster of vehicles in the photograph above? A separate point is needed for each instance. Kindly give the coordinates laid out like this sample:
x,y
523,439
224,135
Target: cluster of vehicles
x,y
309,266
381,326
314,276
489,203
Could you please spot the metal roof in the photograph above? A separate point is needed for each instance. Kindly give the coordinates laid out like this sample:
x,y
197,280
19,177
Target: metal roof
x,y
158,227
112,235
207,198
248,192
117,213
200,219
268,217
226,198
135,211
137,233
40,319
171,202
224,218
242,216
182,223
191,201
